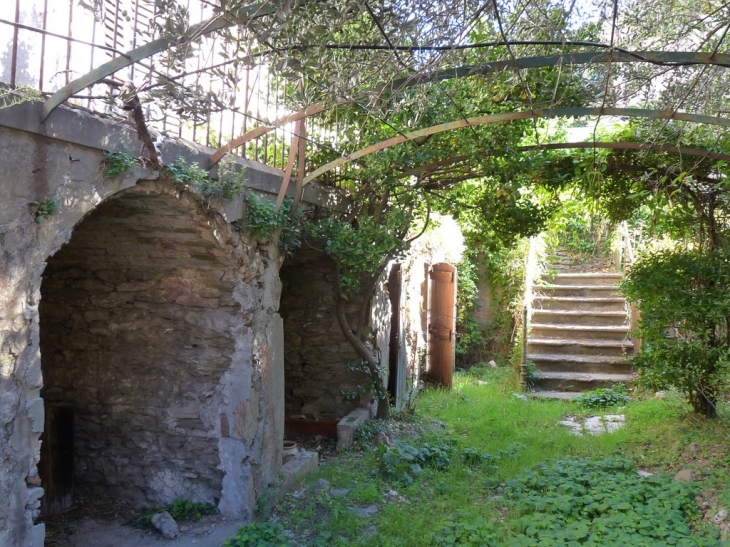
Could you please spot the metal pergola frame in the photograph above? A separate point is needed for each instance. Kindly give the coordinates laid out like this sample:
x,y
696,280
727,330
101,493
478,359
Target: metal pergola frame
x,y
513,116
610,55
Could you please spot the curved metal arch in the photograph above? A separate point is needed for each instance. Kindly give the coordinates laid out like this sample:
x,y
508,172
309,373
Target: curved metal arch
x,y
311,110
678,58
156,46
671,58
670,148
513,116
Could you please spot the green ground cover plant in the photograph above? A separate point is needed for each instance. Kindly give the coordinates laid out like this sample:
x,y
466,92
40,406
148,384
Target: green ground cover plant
x,y
495,469
592,503
603,397
181,510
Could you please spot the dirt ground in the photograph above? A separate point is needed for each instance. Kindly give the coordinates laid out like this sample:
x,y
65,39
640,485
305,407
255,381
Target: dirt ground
x,y
105,523
207,532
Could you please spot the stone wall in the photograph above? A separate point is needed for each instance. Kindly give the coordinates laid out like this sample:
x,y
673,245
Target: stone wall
x,y
139,317
238,427
316,352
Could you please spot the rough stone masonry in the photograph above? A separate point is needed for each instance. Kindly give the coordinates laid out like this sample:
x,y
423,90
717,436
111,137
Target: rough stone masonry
x,y
157,322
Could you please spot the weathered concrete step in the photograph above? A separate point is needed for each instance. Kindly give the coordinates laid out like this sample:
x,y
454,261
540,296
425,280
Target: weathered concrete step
x,y
545,330
583,278
581,317
609,364
574,345
597,303
573,381
593,291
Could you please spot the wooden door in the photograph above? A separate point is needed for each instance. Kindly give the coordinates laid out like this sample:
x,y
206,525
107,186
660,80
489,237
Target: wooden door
x,y
56,465
441,322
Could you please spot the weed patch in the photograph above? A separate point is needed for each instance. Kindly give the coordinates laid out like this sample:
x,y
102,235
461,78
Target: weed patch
x,y
181,510
474,441
601,398
589,503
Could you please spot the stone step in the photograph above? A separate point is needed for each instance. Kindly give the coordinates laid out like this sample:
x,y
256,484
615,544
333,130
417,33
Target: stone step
x,y
609,364
575,381
580,346
583,278
581,317
546,330
592,291
549,302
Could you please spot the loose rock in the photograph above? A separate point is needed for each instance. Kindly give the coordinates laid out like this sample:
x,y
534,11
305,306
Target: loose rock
x,y
685,475
321,484
370,531
339,492
366,511
720,517
166,525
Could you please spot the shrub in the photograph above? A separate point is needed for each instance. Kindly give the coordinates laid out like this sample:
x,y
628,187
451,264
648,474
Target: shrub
x,y
684,300
117,162
602,397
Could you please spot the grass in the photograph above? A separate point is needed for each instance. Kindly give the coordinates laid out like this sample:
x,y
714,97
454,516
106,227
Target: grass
x,y
482,415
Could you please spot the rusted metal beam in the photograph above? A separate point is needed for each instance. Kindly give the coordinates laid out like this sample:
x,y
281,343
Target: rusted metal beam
x,y
156,46
434,168
513,116
263,129
671,58
674,149
679,58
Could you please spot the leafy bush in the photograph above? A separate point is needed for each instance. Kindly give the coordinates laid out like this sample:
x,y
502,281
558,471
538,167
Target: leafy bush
x,y
193,177
259,534
44,208
589,503
261,221
117,162
684,300
602,397
363,250
405,462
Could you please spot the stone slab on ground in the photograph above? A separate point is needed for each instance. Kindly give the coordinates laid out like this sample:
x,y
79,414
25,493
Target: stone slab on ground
x,y
346,427
293,471
594,425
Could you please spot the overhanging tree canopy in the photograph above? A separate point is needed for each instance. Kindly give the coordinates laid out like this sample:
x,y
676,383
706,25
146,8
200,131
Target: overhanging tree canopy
x,y
408,104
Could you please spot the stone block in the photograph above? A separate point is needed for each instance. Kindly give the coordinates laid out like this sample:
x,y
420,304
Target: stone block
x,y
34,408
294,471
346,427
38,535
33,496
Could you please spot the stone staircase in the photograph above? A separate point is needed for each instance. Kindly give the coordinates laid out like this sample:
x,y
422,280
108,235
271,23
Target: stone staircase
x,y
579,333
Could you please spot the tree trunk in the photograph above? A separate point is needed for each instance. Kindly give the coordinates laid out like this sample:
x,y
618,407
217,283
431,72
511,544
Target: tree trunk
x,y
703,403
363,351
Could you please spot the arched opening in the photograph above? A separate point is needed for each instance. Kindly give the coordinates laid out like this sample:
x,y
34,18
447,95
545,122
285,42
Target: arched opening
x,y
140,318
322,383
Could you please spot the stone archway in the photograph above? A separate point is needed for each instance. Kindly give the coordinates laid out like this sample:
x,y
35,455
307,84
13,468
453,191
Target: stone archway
x,y
152,387
243,419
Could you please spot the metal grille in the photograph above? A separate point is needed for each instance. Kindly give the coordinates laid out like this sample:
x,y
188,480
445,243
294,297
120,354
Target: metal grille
x,y
47,43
